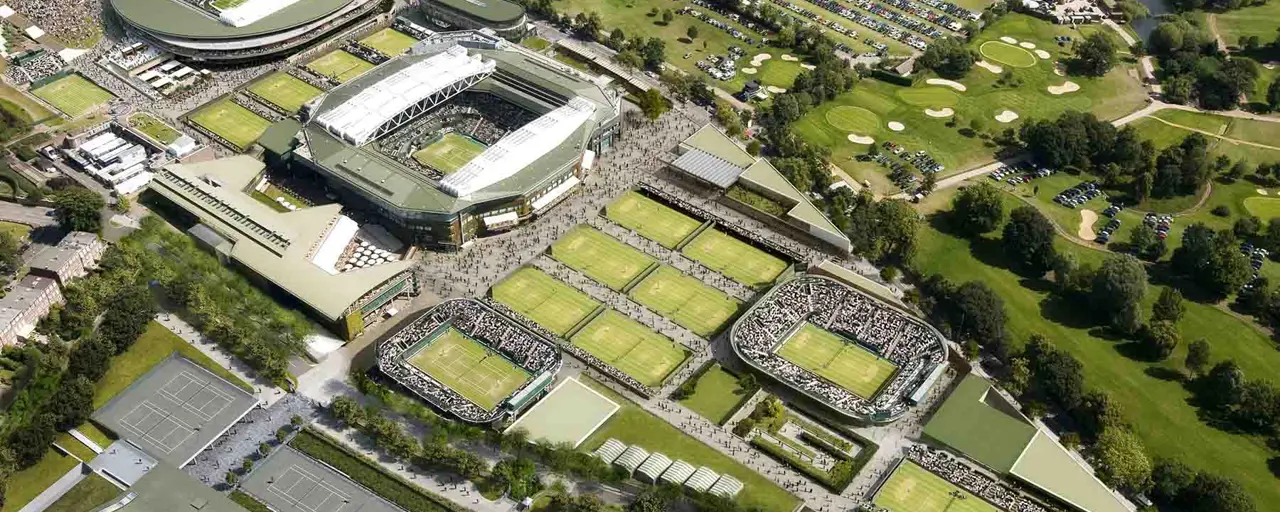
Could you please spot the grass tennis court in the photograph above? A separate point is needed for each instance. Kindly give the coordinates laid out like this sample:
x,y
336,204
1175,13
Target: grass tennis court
x,y
285,91
389,41
630,347
653,220
450,153
544,299
840,361
600,256
340,65
154,128
477,373
735,258
73,94
240,126
911,488
686,301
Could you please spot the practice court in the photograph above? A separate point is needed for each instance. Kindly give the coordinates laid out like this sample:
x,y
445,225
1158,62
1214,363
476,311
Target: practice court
x,y
175,410
289,481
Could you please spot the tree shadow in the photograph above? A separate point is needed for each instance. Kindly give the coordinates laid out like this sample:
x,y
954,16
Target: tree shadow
x,y
1164,373
1065,311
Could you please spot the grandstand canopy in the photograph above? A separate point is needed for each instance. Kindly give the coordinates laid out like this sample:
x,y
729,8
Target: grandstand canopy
x,y
654,466
632,458
978,422
180,19
726,487
1048,466
702,479
709,168
678,472
610,450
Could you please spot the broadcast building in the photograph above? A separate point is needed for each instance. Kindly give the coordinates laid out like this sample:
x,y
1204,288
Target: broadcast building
x,y
466,135
237,30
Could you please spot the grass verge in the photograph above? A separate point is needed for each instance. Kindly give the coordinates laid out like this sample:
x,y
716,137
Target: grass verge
x,y
368,473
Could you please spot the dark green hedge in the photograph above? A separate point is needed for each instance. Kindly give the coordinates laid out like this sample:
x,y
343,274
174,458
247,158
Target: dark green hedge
x,y
369,474
893,78
248,502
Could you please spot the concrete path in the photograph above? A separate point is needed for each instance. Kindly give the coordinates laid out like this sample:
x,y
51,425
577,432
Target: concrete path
x,y
55,491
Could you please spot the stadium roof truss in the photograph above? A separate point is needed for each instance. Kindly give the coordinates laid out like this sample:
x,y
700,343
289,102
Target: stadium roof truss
x,y
404,95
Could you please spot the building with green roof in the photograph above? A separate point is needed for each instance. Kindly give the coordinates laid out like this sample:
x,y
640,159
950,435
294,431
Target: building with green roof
x,y
506,19
979,423
358,138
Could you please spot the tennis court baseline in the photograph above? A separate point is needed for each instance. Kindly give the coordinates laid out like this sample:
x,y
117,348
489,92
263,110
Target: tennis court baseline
x,y
475,371
238,125
651,219
340,65
734,258
450,153
289,481
686,301
600,256
389,41
544,299
912,488
838,360
285,91
630,347
73,94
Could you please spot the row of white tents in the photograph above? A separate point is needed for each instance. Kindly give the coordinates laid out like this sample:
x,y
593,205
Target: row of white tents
x,y
655,467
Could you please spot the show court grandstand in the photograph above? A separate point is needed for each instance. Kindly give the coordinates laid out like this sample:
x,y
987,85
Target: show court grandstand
x,y
845,349
470,361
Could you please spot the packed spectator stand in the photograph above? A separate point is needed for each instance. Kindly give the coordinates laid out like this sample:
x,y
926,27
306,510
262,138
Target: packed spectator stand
x,y
483,117
907,342
25,71
953,470
72,22
473,318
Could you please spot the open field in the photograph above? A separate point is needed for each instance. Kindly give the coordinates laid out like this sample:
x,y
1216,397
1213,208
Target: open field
x,y
716,395
600,256
1265,208
240,126
18,231
155,344
450,153
473,370
735,258
389,41
535,43
872,104
838,360
154,128
630,347
544,299
285,91
340,65
912,488
23,486
1258,20
73,95
686,300
633,425
35,111
651,219
1158,407
87,495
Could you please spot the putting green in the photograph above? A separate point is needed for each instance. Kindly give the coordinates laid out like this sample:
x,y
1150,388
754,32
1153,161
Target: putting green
x,y
1007,54
1265,208
854,119
935,97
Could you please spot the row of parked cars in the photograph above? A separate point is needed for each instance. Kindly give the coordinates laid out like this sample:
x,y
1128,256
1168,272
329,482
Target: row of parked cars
x,y
1162,224
1256,255
1080,194
866,21
1021,173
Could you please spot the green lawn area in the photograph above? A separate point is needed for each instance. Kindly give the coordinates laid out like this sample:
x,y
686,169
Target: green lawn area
x,y
600,256
87,495
536,44
240,126
285,91
912,488
1156,407
450,153
389,41
1258,20
23,486
473,370
734,258
633,425
35,111
73,445
630,347
716,395
872,104
838,360
651,219
1261,132
544,299
686,300
340,65
154,128
153,347
19,231
1265,208
95,434
73,95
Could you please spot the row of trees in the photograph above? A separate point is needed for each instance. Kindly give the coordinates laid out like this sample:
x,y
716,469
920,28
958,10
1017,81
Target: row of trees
x,y
1193,68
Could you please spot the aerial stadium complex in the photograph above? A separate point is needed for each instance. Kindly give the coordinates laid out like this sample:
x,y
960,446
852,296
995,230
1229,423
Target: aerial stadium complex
x,y
237,30
506,19
861,357
467,135
470,361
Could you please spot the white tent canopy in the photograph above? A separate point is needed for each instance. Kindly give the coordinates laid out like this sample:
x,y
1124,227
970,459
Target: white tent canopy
x,y
702,479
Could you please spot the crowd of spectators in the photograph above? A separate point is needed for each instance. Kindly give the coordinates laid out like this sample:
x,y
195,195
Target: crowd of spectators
x,y
480,322
365,52
787,249
35,69
410,28
825,303
483,117
71,22
977,483
265,112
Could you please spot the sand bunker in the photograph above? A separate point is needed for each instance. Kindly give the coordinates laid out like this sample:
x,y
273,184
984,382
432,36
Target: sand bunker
x,y
861,139
759,59
1262,191
990,67
749,71
1087,218
949,83
1271,65
946,112
1008,39
1007,116
787,57
775,90
1027,45
896,126
809,67
1057,70
1064,88
1043,54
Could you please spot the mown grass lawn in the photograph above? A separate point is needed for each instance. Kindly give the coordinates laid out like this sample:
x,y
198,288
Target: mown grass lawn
x,y
1154,404
1258,20
716,395
151,348
86,495
23,486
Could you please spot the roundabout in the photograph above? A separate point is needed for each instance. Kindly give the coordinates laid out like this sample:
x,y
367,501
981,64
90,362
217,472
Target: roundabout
x,y
1007,54
853,119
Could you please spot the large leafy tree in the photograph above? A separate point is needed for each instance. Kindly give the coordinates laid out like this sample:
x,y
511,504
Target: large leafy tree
x,y
979,315
1161,338
1095,56
1122,460
1118,288
948,57
977,209
1212,260
1028,240
1056,375
79,209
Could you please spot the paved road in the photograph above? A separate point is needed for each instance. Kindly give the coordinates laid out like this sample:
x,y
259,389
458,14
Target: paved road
x,y
34,216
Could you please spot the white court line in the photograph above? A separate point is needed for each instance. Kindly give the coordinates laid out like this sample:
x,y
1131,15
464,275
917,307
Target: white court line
x,y
310,479
192,379
147,436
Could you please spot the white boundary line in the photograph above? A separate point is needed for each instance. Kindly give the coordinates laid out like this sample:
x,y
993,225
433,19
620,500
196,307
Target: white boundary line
x,y
318,483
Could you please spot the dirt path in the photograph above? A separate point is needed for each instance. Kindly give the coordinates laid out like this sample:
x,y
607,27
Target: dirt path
x,y
1087,218
1213,28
